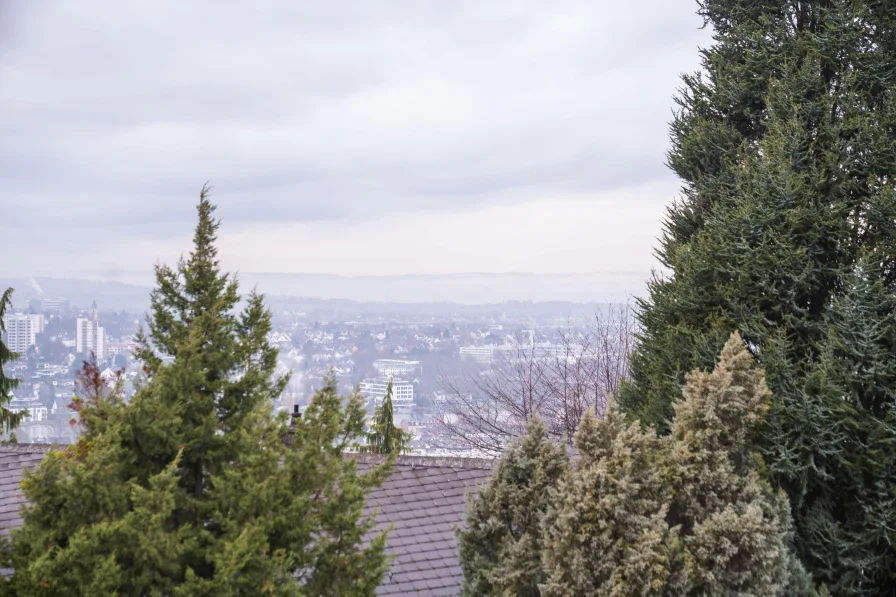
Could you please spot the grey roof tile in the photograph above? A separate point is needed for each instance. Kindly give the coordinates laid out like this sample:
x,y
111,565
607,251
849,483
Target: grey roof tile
x,y
14,459
424,500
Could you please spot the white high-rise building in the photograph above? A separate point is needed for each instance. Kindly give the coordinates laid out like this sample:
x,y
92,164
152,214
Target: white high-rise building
x,y
22,330
374,390
90,337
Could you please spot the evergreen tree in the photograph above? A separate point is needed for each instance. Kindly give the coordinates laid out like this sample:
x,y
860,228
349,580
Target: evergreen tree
x,y
735,529
688,513
607,531
786,148
852,389
300,511
8,420
190,488
501,547
385,437
89,530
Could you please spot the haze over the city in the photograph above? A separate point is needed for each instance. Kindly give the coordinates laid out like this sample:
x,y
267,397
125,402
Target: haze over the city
x,y
349,139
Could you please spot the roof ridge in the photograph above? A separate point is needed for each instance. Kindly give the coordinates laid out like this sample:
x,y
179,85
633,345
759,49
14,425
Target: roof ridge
x,y
422,461
25,448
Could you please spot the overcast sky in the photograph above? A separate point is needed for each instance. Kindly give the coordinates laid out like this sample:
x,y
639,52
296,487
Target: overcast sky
x,y
398,137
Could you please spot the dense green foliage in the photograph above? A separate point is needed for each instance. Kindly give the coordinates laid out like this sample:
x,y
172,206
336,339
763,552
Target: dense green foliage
x,y
683,514
501,547
191,488
8,420
385,437
786,146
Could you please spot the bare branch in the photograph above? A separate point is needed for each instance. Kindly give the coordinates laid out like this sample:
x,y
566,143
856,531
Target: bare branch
x,y
579,368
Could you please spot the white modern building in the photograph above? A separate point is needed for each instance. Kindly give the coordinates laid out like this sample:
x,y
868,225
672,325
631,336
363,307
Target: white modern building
x,y
396,368
374,390
90,337
22,330
37,412
125,347
480,354
541,351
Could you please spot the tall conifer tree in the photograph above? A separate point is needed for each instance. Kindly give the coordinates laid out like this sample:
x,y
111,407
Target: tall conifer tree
x,y
190,488
786,146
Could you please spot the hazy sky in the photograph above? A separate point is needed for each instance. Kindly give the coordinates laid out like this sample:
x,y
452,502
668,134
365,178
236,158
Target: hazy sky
x,y
341,137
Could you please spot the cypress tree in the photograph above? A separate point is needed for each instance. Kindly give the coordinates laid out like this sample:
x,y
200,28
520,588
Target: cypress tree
x,y
688,513
735,528
385,437
606,531
9,420
501,546
190,488
786,146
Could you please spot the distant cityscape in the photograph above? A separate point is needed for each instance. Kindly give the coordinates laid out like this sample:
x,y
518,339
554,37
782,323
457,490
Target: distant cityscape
x,y
422,350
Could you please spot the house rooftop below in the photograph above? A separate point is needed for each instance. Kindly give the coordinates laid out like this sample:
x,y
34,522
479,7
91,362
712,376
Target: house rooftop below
x,y
423,501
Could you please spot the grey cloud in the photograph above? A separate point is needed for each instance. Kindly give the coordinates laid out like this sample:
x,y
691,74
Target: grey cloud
x,y
300,111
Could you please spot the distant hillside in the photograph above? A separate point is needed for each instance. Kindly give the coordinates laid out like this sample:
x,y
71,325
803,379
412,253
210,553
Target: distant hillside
x,y
130,290
468,289
109,295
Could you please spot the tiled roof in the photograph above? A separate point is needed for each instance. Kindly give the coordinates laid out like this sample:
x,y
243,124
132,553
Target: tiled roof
x,y
14,458
423,500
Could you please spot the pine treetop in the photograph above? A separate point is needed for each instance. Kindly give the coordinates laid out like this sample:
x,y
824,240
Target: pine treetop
x,y
689,513
189,488
722,410
386,437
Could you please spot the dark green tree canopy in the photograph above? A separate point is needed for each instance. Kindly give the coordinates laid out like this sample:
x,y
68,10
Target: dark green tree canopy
x,y
785,143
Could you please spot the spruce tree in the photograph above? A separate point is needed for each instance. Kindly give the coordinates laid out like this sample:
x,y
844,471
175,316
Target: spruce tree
x,y
688,513
501,546
848,528
786,148
8,420
190,488
385,437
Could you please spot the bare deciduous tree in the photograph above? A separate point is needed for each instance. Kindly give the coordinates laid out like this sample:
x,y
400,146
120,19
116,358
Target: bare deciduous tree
x,y
557,380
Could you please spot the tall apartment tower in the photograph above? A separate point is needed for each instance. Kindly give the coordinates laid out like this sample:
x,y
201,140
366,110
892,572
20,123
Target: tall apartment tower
x,y
22,330
90,335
